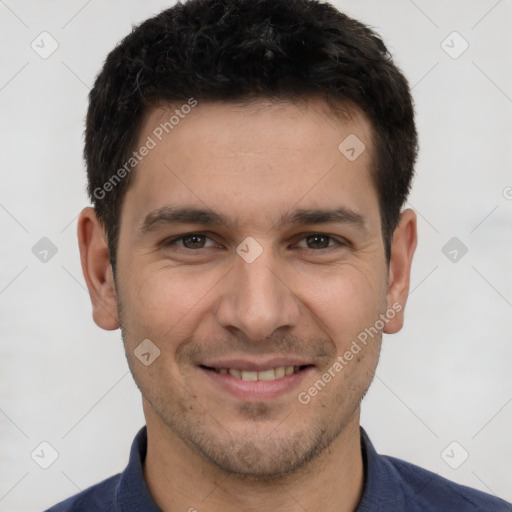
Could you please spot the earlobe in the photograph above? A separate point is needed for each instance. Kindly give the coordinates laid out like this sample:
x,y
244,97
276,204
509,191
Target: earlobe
x,y
402,251
94,256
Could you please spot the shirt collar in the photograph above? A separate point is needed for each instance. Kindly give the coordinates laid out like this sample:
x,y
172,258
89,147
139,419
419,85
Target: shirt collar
x,y
132,492
380,482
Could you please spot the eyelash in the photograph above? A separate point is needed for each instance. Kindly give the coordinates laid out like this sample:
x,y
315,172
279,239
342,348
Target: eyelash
x,y
340,242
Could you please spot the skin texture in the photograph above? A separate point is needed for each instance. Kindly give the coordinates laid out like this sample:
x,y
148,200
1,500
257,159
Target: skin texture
x,y
303,298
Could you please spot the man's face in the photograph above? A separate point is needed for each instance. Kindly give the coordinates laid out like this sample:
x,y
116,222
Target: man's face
x,y
292,295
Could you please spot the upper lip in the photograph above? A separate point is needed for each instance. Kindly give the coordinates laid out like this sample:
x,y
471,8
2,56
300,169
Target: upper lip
x,y
253,365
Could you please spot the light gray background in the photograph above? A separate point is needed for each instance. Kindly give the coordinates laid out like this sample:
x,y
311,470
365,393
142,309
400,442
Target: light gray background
x,y
445,377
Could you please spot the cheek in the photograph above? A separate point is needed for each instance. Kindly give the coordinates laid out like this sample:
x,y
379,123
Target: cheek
x,y
165,303
347,301
166,300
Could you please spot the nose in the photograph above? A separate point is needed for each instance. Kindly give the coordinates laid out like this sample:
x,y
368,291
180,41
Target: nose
x,y
257,298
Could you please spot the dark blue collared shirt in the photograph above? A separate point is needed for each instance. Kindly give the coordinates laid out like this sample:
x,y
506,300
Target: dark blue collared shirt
x,y
391,485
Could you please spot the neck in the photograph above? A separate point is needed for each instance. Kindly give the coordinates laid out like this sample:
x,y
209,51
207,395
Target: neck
x,y
179,479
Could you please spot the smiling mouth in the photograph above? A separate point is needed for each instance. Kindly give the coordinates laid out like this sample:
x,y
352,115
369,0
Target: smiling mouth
x,y
264,375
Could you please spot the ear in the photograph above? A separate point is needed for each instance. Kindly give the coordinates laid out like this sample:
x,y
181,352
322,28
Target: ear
x,y
94,256
403,246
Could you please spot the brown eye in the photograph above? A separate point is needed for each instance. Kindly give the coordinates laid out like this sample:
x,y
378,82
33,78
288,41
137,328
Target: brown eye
x,y
194,241
318,241
190,241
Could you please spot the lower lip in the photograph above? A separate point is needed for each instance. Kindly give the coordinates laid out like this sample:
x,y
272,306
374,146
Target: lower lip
x,y
257,390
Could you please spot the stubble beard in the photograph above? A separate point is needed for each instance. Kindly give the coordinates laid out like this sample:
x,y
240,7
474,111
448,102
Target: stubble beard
x,y
255,452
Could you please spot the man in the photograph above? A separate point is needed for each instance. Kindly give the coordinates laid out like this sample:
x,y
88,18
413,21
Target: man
x,y
248,161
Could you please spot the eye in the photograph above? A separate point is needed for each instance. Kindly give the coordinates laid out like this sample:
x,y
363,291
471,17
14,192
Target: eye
x,y
319,241
190,241
196,241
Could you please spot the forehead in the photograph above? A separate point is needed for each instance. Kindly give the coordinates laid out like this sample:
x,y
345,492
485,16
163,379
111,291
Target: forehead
x,y
258,159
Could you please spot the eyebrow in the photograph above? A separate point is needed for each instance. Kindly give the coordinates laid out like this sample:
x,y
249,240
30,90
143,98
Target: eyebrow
x,y
192,215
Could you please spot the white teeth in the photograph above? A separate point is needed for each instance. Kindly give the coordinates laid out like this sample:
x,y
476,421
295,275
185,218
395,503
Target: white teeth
x,y
266,375
271,374
252,376
279,372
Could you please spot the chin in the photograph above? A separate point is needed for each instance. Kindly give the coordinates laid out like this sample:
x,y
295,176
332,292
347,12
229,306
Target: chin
x,y
260,458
